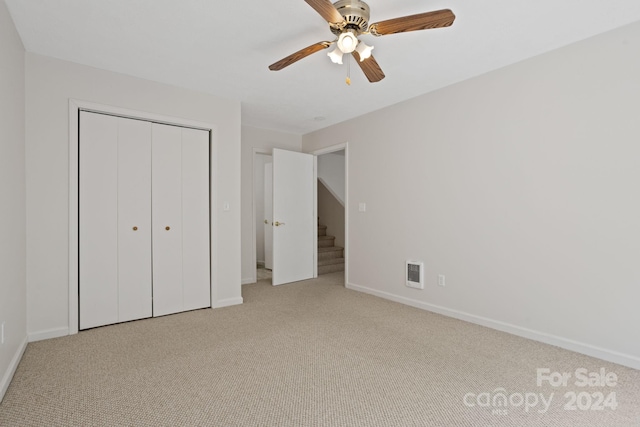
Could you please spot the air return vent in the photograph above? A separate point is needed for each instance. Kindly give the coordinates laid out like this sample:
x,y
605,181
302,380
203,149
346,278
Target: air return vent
x,y
415,274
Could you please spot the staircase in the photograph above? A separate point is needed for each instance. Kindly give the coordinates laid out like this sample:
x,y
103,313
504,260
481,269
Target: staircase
x,y
330,257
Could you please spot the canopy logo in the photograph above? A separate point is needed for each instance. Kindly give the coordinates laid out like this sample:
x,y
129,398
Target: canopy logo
x,y
499,401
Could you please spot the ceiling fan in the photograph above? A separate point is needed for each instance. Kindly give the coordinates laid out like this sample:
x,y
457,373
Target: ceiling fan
x,y
349,19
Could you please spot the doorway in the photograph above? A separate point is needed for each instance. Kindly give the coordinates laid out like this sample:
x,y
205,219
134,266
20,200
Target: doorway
x,y
262,161
262,158
288,191
332,203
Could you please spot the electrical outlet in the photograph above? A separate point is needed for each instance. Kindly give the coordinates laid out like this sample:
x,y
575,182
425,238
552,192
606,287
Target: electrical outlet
x,y
441,281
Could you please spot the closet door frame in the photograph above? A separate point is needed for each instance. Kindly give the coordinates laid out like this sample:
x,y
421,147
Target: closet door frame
x,y
75,106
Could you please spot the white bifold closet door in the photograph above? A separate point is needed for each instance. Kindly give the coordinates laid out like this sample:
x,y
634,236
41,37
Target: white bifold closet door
x,y
181,273
143,221
114,219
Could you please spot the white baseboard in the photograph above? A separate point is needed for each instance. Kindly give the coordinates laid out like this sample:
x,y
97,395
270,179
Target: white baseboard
x,y
48,334
227,302
248,281
568,344
13,365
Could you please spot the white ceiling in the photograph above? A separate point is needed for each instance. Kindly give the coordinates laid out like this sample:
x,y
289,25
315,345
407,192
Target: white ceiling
x,y
224,48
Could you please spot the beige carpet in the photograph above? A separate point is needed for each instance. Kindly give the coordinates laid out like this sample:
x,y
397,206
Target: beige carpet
x,y
306,354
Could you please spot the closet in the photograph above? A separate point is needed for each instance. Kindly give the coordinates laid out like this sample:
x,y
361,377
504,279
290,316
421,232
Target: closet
x,y
144,216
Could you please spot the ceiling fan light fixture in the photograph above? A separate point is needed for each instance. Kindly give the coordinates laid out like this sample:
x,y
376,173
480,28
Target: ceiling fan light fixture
x,y
347,42
335,55
349,19
364,51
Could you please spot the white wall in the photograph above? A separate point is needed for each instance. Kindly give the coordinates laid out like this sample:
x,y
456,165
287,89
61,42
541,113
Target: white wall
x,y
50,83
331,173
521,186
13,288
264,140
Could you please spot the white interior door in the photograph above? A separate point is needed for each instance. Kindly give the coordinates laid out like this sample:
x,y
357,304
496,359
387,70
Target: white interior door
x,y
167,219
294,230
98,220
114,220
144,212
195,220
180,206
134,220
268,216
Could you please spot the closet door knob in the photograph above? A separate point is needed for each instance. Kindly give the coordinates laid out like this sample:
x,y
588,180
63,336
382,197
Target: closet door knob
x,y
167,228
135,228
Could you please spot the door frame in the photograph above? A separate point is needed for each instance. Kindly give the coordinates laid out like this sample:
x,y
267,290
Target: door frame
x,y
75,106
331,149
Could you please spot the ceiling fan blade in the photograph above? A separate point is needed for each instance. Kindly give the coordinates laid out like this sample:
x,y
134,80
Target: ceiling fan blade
x,y
369,67
295,57
326,9
421,21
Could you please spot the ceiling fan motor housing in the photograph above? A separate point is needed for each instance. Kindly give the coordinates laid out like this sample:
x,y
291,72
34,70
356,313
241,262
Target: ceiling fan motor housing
x,y
355,13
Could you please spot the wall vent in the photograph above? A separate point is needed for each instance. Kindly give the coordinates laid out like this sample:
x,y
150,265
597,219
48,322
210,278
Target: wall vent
x,y
415,274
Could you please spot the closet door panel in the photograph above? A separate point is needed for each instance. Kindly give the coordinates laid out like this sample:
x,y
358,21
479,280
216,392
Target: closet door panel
x,y
98,220
195,219
167,219
134,219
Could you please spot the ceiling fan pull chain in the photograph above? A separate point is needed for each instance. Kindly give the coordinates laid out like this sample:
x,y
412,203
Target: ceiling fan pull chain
x,y
348,81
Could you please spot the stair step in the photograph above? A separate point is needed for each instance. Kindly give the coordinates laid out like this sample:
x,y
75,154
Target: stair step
x,y
326,241
330,261
330,257
330,252
331,268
